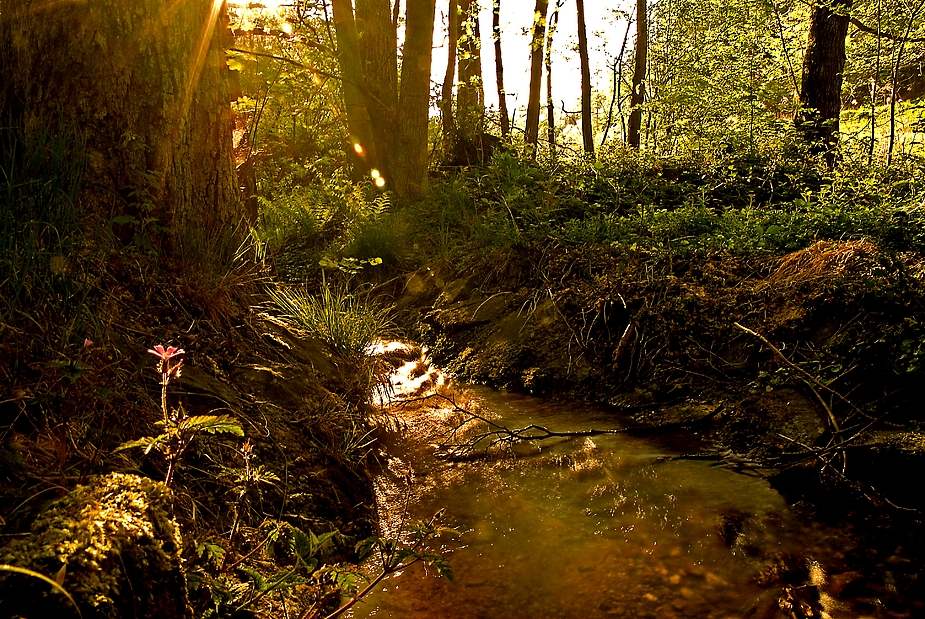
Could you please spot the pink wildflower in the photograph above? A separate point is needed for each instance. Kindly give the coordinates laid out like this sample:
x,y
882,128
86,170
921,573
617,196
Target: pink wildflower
x,y
88,342
166,354
172,370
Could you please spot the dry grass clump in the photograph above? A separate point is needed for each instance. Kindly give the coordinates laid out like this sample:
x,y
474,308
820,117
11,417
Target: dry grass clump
x,y
823,259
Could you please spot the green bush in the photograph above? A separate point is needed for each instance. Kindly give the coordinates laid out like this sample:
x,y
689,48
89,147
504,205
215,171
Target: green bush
x,y
385,237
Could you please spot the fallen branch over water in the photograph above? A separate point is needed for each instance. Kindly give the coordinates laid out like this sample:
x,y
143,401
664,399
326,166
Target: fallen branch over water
x,y
496,436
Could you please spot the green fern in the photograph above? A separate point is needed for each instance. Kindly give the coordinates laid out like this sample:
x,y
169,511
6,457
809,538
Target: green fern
x,y
211,424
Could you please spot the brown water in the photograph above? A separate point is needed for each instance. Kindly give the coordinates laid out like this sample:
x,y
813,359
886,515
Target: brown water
x,y
606,528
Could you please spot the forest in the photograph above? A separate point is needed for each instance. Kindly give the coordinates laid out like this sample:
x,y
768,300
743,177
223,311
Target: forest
x,y
462,308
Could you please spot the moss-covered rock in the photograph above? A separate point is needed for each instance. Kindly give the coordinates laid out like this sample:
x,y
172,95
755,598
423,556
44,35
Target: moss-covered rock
x,y
114,547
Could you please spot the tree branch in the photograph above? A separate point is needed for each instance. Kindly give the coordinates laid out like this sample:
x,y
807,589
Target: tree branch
x,y
857,23
293,62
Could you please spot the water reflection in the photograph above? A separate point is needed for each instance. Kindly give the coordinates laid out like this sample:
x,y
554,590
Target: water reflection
x,y
604,528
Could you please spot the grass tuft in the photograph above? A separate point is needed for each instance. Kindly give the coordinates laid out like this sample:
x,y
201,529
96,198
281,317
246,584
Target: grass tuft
x,y
347,322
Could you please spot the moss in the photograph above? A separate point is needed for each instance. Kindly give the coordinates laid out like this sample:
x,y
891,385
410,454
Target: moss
x,y
117,547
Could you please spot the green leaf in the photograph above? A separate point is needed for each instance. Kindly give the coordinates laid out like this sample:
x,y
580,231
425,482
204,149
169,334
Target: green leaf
x,y
212,424
148,442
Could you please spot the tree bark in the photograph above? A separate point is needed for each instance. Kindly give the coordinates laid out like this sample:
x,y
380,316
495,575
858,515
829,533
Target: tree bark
x,y
587,129
823,66
146,92
532,128
449,78
638,96
499,71
414,98
378,47
362,146
398,141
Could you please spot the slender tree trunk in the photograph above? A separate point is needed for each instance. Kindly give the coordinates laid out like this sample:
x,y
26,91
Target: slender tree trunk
x,y
823,65
499,71
617,96
894,78
414,99
143,95
873,91
449,78
550,103
532,129
362,146
639,74
587,128
470,93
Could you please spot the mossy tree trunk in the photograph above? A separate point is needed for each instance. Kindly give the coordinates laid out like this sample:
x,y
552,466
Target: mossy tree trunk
x,y
145,90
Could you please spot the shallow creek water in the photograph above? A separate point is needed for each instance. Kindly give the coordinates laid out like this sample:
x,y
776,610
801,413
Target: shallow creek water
x,y
608,527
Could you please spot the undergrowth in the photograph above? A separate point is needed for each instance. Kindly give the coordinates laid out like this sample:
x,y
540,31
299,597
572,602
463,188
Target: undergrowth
x,y
670,206
346,321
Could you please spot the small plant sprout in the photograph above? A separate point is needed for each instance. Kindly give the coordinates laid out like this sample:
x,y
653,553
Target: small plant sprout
x,y
178,428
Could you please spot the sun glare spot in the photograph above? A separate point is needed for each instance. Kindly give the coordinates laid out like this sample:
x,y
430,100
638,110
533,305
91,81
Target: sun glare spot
x,y
359,150
286,27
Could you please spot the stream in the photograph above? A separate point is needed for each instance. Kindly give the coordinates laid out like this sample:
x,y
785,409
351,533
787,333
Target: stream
x,y
610,527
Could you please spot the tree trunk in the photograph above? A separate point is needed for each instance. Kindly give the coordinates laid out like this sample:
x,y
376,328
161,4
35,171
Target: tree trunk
x,y
536,74
639,75
397,121
446,95
379,59
550,103
147,94
823,65
499,71
470,93
414,99
362,146
587,130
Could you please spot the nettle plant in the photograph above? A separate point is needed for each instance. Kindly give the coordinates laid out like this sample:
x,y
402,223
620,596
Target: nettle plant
x,y
178,429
